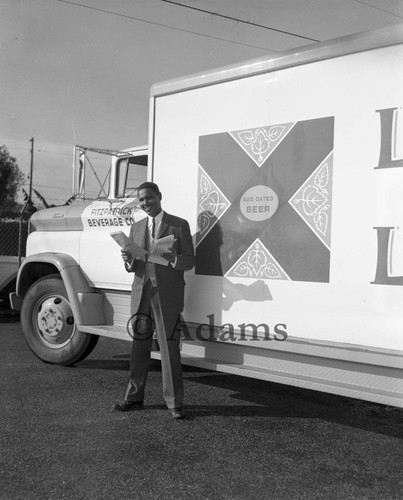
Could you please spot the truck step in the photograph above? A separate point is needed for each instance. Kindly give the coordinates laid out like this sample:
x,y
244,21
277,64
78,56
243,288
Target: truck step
x,y
349,388
112,331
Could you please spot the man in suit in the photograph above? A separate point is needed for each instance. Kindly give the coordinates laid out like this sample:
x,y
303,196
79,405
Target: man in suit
x,y
157,292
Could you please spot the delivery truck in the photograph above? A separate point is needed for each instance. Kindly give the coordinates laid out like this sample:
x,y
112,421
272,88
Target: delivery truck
x,y
289,169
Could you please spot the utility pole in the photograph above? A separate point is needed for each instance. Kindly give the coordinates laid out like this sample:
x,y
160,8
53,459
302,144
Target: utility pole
x,y
28,203
32,168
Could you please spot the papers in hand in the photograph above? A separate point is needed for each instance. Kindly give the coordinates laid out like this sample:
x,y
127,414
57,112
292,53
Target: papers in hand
x,y
161,246
127,244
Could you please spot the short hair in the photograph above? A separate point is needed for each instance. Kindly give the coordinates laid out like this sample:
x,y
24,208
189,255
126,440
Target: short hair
x,y
150,185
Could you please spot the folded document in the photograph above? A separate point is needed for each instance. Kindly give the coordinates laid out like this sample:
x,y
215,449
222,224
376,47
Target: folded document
x,y
160,246
127,244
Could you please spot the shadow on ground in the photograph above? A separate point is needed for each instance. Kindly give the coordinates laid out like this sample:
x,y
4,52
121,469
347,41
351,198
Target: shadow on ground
x,y
269,400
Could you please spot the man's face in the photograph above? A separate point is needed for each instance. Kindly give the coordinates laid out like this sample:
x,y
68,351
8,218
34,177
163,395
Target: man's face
x,y
150,202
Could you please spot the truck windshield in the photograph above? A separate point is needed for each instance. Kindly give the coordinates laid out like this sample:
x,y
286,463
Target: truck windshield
x,y
131,172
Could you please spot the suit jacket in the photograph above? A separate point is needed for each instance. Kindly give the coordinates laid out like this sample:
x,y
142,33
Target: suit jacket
x,y
170,281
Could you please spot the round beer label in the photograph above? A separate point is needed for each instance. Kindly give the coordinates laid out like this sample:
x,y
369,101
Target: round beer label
x,y
259,203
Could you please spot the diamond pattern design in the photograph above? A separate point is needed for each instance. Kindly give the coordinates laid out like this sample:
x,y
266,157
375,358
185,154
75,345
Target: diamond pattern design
x,y
259,143
257,262
313,200
212,204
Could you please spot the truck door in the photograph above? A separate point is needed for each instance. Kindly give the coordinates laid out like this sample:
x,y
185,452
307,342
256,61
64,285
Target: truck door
x,y
100,257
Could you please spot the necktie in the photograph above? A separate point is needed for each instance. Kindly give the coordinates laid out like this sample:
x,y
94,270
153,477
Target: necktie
x,y
153,227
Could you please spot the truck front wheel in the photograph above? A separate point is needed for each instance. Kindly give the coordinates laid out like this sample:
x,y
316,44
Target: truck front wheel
x,y
48,324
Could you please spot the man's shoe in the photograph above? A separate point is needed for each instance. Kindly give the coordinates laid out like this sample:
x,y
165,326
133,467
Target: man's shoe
x,y
129,406
177,413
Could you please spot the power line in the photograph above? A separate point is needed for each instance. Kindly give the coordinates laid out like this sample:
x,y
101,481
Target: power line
x,y
76,4
18,149
239,20
53,152
378,8
41,151
42,142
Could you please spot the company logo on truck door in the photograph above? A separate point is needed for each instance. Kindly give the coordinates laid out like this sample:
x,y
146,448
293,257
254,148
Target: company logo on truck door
x,y
265,202
105,214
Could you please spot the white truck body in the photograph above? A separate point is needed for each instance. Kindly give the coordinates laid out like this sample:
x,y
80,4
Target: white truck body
x,y
289,170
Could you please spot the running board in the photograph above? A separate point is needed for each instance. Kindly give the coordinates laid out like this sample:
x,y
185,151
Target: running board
x,y
347,388
111,331
313,369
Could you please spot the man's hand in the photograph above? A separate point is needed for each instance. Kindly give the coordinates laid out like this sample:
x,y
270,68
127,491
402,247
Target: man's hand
x,y
126,256
171,256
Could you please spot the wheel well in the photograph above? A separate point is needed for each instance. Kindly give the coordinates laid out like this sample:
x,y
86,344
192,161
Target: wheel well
x,y
33,272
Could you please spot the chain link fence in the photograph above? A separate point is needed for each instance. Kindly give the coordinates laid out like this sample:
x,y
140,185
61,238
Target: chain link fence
x,y
13,237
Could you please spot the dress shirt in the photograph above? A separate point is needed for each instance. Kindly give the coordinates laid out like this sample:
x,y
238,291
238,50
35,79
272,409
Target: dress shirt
x,y
157,219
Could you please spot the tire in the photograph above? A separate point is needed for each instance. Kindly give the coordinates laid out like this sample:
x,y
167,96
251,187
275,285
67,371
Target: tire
x,y
48,324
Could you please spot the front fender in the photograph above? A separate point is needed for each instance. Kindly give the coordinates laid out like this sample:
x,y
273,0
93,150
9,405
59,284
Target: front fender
x,y
86,303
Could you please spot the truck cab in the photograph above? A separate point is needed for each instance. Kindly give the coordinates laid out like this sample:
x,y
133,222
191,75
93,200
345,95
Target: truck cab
x,y
73,272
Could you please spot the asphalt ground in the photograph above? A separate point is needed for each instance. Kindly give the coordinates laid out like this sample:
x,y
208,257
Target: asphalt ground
x,y
242,438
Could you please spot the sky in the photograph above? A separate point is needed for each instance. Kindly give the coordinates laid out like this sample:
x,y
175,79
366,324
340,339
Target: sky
x,y
80,71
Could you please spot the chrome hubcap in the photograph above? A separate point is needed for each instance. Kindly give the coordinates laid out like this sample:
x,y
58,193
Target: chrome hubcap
x,y
55,321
